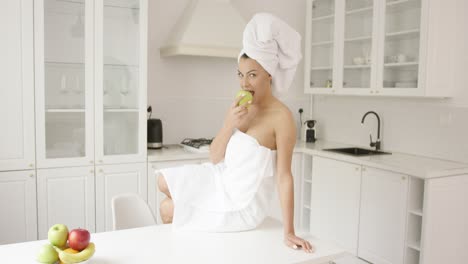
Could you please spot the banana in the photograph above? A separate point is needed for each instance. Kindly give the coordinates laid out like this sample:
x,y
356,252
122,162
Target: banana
x,y
70,258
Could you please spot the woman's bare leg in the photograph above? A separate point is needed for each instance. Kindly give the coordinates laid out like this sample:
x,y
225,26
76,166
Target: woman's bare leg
x,y
166,210
162,185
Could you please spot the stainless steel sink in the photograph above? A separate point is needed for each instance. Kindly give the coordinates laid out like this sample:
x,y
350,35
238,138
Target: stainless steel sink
x,y
357,151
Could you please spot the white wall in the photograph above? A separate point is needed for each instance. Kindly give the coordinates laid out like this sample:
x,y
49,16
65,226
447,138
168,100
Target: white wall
x,y
192,94
428,127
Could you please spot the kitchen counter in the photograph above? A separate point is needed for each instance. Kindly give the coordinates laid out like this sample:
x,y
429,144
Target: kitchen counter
x,y
413,165
160,244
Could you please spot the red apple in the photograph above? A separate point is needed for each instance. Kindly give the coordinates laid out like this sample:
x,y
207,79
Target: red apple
x,y
78,239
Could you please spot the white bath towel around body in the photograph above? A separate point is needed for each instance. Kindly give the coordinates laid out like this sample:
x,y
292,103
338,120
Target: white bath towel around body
x,y
233,195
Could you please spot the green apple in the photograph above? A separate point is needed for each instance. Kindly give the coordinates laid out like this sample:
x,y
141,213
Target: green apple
x,y
47,254
58,235
247,96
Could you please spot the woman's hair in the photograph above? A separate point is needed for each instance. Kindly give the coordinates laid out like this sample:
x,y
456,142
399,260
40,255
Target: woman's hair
x,y
245,56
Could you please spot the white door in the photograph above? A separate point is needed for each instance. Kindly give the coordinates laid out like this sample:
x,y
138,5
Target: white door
x,y
65,196
335,202
154,195
18,222
112,180
383,216
17,86
120,81
63,40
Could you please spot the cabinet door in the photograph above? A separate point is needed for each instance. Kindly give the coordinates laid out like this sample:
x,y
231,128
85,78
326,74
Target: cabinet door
x,y
154,195
383,216
17,87
320,53
120,80
112,180
401,55
65,196
359,46
18,206
335,202
63,39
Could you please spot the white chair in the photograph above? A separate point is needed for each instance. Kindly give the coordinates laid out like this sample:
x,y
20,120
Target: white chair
x,y
130,211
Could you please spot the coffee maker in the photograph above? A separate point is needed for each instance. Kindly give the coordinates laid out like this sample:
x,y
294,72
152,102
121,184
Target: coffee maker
x,y
309,133
155,133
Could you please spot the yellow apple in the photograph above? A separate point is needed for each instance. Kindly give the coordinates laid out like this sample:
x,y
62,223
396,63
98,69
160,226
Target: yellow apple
x,y
246,97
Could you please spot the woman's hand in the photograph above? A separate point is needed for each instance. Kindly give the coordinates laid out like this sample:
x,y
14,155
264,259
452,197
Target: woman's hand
x,y
236,115
295,242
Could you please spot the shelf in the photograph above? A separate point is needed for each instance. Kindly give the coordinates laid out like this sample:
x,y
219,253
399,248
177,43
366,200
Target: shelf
x,y
358,39
405,34
416,245
401,64
306,206
400,5
417,212
359,10
325,68
121,110
64,62
81,2
307,181
323,18
322,43
120,65
64,110
364,66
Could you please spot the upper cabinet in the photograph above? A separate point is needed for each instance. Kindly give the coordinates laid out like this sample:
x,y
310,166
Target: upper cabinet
x,y
368,47
90,67
17,86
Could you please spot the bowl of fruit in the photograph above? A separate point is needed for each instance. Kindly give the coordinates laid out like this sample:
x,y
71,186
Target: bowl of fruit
x,y
66,247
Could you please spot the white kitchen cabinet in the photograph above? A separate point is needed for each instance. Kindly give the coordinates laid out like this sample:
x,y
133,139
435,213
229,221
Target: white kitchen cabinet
x,y
335,202
17,86
305,192
368,47
383,214
18,206
154,195
112,180
90,72
65,196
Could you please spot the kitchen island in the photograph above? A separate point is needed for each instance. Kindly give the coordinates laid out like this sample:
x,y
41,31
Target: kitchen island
x,y
160,244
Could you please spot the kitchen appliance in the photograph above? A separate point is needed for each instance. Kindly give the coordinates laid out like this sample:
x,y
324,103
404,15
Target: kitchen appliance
x,y
197,145
309,133
155,133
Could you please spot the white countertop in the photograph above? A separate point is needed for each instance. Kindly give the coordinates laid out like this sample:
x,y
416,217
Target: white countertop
x,y
413,165
159,244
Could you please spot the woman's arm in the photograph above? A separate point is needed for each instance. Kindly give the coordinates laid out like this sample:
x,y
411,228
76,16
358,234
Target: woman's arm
x,y
285,134
234,118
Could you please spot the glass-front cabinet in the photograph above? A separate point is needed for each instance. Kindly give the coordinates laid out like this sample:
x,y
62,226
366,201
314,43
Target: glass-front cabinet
x,y
369,47
401,46
64,82
89,63
120,81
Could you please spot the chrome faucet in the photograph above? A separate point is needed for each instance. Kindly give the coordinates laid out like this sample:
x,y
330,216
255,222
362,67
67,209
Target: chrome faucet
x,y
375,144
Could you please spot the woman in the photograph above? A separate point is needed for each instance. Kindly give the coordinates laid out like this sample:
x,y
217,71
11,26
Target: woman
x,y
255,144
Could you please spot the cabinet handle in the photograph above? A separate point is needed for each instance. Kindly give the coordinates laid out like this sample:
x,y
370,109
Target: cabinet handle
x,y
403,177
371,92
31,165
376,91
100,161
101,170
31,175
91,161
363,169
356,168
92,171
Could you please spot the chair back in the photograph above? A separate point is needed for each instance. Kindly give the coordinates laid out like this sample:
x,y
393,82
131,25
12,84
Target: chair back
x,y
129,210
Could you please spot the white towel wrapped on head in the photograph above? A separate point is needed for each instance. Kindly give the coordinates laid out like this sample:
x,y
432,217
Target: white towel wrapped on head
x,y
274,45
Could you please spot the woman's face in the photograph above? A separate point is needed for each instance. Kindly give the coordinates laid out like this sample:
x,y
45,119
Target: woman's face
x,y
253,78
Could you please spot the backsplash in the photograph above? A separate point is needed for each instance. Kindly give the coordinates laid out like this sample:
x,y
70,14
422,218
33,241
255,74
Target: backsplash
x,y
426,127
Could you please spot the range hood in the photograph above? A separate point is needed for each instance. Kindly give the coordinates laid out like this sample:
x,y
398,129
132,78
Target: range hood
x,y
207,28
